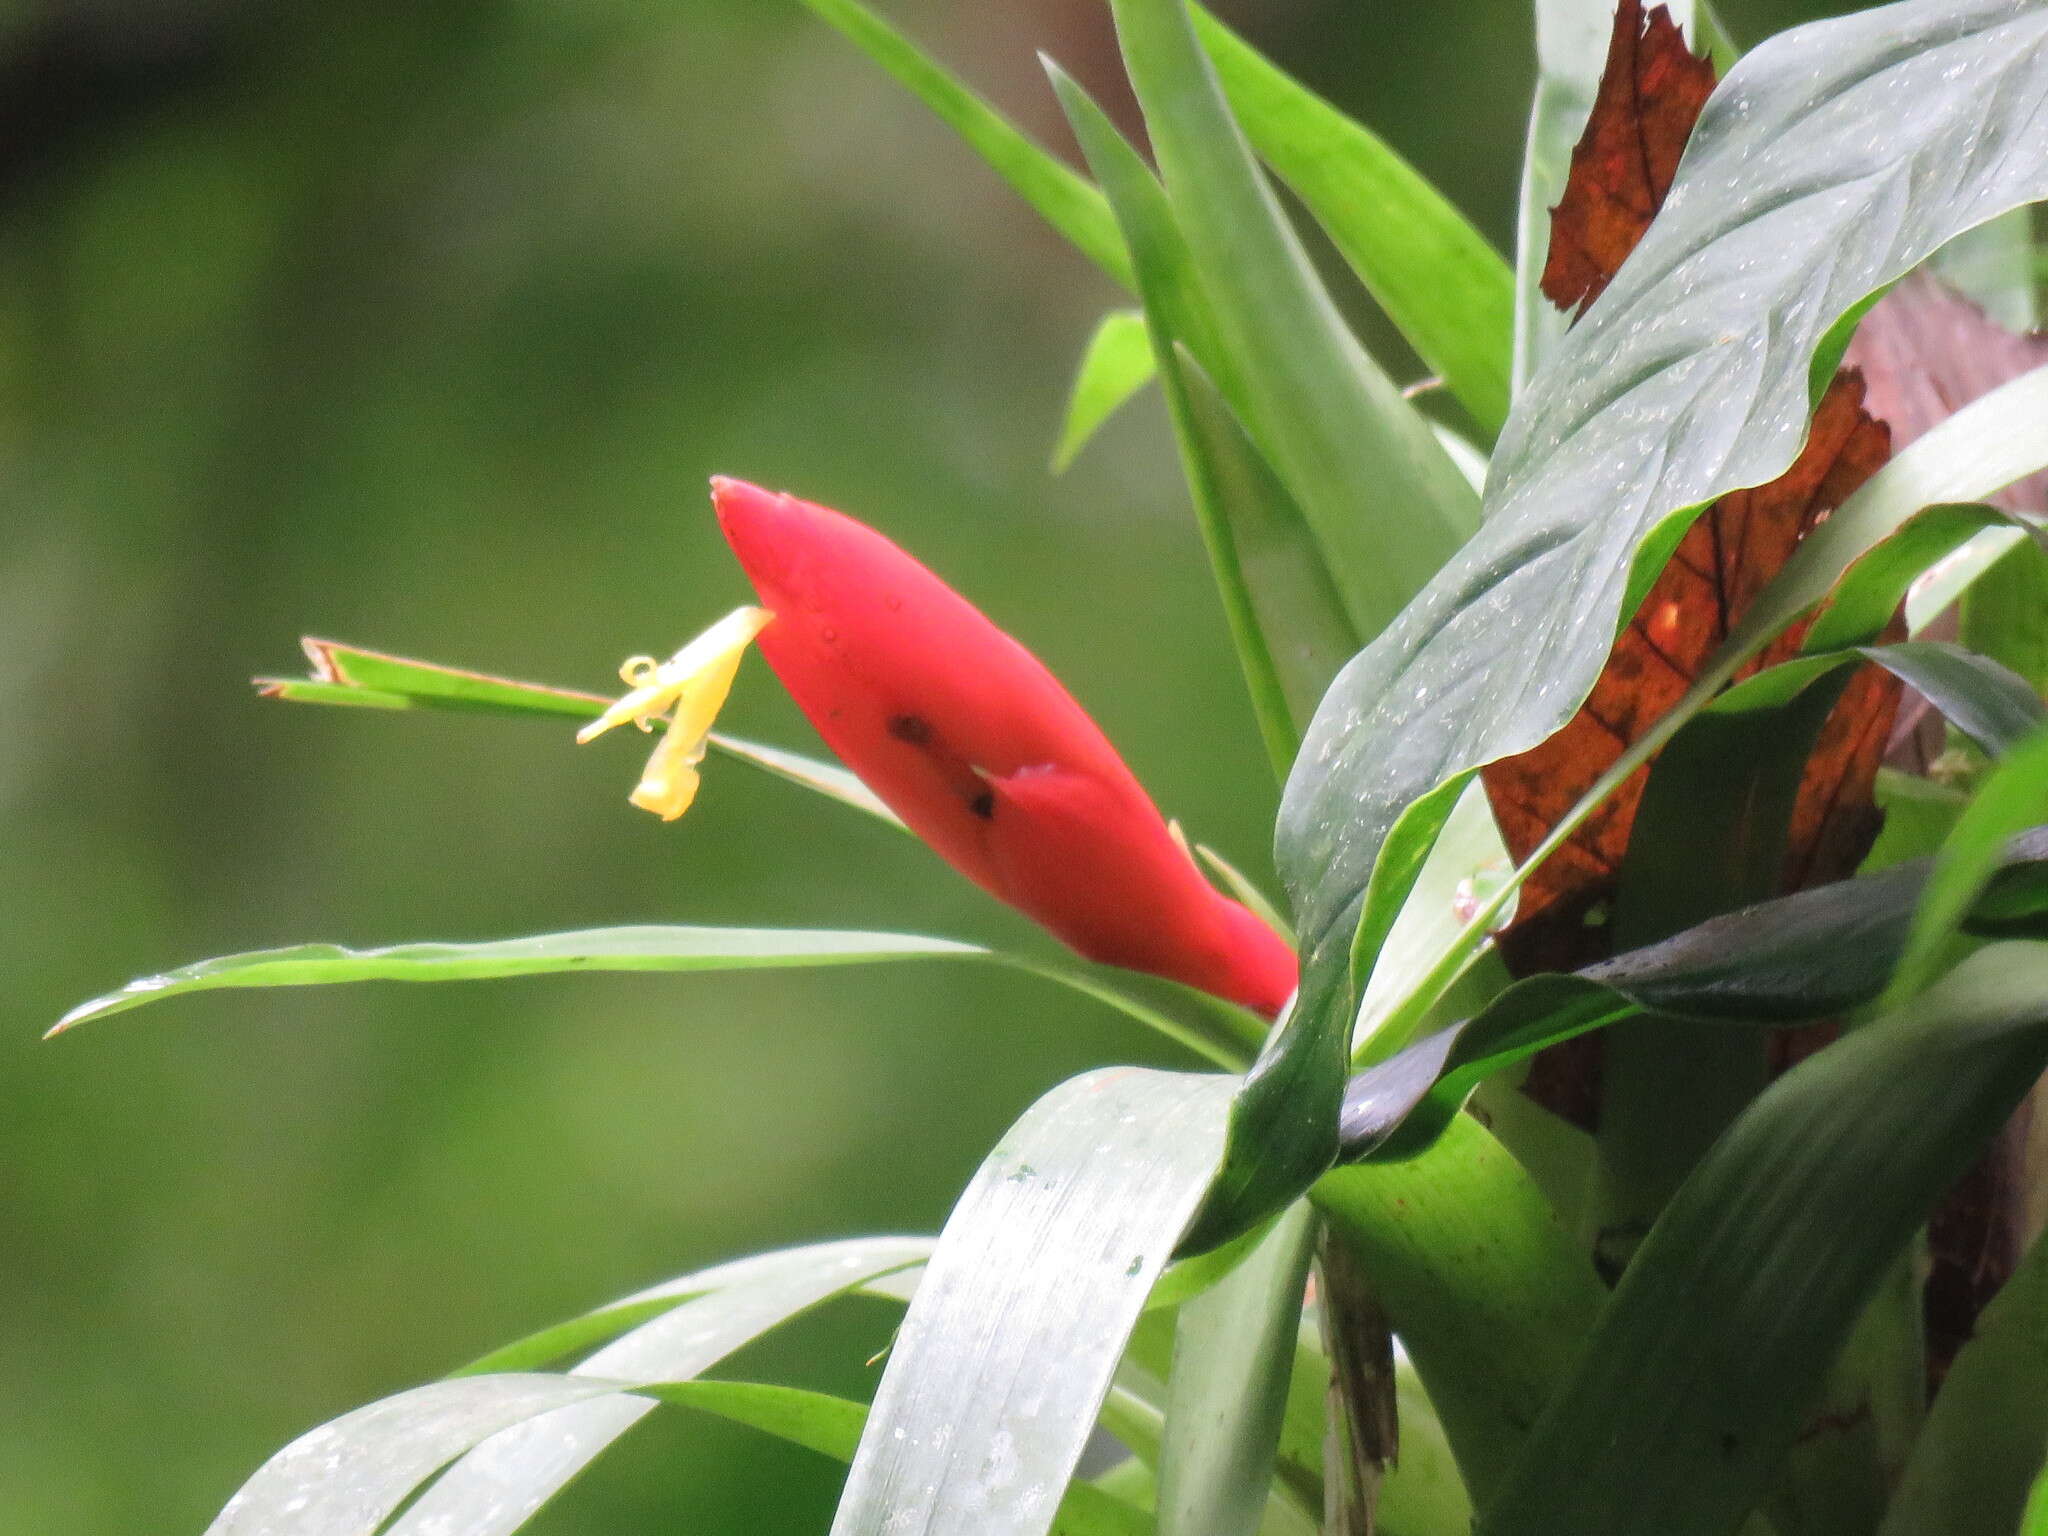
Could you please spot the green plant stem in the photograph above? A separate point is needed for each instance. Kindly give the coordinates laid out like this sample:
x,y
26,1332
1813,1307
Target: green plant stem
x,y
1480,1280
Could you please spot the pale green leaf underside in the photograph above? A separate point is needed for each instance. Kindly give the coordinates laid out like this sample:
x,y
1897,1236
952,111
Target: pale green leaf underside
x,y
1011,1341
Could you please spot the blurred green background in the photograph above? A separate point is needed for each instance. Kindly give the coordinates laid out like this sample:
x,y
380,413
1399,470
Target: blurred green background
x,y
421,326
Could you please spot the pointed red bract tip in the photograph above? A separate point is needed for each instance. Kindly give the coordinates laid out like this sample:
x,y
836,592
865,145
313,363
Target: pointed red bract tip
x,y
982,752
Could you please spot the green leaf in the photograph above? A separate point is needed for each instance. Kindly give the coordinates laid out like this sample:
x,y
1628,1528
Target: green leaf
x,y
1117,364
346,1477
1980,698
1487,1292
497,1486
1039,1277
2035,1521
2013,796
1422,1493
1062,198
795,1272
1205,1027
1233,1356
1797,199
1816,954
1444,287
350,675
1293,602
1236,498
1386,503
2005,613
1996,439
1987,1433
831,1426
1699,1374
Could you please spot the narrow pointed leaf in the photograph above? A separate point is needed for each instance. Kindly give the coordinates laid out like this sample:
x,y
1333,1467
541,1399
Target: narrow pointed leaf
x,y
1117,364
1987,1434
345,1478
848,1262
1385,501
1062,198
1444,287
350,675
1286,618
2015,795
831,1426
500,1484
1039,1277
1205,1026
1700,1372
1233,1356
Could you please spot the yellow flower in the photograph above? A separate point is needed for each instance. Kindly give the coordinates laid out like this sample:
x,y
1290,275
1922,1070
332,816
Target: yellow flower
x,y
690,688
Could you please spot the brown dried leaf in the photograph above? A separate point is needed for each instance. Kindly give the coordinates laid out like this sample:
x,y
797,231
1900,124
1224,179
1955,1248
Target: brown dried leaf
x,y
1721,565
1651,91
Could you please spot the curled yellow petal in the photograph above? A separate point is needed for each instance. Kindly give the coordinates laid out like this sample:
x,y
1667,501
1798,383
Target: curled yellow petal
x,y
690,688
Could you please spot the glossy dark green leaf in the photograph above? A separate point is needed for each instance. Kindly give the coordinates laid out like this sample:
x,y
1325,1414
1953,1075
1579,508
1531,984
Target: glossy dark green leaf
x,y
1798,198
1816,954
1702,1368
1039,1277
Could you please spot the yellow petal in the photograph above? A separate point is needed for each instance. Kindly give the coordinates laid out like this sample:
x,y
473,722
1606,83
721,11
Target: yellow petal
x,y
690,688
660,687
669,782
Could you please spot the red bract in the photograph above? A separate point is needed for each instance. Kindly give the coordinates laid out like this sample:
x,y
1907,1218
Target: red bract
x,y
983,753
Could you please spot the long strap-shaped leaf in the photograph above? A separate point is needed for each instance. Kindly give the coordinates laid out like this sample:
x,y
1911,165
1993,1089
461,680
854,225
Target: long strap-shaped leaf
x,y
1987,1435
1385,501
1010,1343
498,1485
1701,1369
831,1426
1446,290
1831,160
347,1477
1233,1352
652,948
1287,620
1066,201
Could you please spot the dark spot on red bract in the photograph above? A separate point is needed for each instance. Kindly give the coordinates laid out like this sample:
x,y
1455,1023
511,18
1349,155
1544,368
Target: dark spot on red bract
x,y
914,729
984,805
